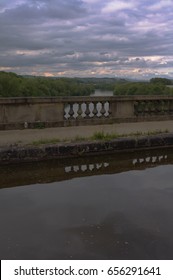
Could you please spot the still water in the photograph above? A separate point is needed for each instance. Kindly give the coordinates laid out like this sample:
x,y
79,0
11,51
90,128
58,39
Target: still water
x,y
109,207
99,92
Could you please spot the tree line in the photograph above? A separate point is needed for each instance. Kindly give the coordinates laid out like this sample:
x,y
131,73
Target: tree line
x,y
13,85
156,86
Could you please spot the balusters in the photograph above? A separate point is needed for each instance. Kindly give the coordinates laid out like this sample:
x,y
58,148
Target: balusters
x,y
102,111
166,107
87,111
158,107
79,111
71,111
136,108
152,107
109,112
149,108
95,111
146,108
171,107
65,112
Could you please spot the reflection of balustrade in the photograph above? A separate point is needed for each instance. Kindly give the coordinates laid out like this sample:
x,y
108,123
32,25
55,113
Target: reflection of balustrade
x,y
151,159
57,170
93,168
86,167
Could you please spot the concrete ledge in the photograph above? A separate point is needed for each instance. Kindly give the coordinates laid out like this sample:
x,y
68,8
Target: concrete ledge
x,y
39,112
82,122
46,152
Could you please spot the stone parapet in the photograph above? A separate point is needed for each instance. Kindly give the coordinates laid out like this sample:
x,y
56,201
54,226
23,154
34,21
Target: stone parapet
x,y
33,112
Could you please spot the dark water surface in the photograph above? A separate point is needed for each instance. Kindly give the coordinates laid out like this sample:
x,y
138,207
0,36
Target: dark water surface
x,y
111,207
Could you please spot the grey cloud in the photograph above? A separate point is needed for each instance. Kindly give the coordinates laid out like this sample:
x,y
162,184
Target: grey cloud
x,y
77,36
32,11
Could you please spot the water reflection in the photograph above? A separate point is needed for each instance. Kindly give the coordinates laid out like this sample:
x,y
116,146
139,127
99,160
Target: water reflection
x,y
51,171
124,213
126,240
150,159
99,92
85,167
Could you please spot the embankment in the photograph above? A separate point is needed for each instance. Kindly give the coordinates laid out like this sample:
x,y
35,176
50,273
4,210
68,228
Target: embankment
x,y
17,154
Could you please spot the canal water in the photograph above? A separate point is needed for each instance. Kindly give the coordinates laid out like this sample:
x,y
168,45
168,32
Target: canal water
x,y
109,207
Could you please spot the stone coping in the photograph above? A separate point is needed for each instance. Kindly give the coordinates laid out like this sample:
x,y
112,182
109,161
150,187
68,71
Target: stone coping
x,y
64,99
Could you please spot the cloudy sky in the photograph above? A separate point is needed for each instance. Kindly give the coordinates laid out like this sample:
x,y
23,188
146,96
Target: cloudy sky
x,y
110,38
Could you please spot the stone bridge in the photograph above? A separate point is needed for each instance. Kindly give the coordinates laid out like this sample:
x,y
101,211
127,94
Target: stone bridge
x,y
36,112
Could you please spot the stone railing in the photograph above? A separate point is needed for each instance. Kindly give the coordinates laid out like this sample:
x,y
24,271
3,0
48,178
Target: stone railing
x,y
70,111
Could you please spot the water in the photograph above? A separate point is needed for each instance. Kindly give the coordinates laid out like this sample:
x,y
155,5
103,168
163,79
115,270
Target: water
x,y
109,207
99,92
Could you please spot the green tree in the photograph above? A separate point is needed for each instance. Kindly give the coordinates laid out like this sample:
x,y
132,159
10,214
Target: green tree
x,y
140,88
162,81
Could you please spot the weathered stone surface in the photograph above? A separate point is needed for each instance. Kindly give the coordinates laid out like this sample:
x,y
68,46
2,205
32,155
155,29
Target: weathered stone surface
x,y
67,150
142,142
22,154
168,139
39,112
126,143
157,141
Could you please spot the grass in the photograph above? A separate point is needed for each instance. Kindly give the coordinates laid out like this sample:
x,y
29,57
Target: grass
x,y
101,136
45,141
39,125
104,136
109,136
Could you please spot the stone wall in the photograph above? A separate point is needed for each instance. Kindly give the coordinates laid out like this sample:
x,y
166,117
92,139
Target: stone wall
x,y
58,151
19,113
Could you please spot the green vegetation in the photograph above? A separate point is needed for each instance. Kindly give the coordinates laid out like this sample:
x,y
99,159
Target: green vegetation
x,y
39,125
162,81
156,86
98,136
102,83
110,136
13,85
104,136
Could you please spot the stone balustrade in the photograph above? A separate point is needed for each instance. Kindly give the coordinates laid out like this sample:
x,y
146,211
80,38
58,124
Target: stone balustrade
x,y
39,112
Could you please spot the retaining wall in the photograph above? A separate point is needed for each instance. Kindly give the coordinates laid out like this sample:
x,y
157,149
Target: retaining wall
x,y
45,152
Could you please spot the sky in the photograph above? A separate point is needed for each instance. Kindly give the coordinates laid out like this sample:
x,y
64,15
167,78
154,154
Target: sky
x,y
87,38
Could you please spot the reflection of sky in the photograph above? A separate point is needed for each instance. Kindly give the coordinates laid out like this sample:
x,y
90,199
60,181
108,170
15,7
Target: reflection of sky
x,y
87,37
134,208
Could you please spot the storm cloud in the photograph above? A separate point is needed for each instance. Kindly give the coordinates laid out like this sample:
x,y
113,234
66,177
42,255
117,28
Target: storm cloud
x,y
131,39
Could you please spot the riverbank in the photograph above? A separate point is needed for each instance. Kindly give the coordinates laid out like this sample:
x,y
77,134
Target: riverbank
x,y
54,143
